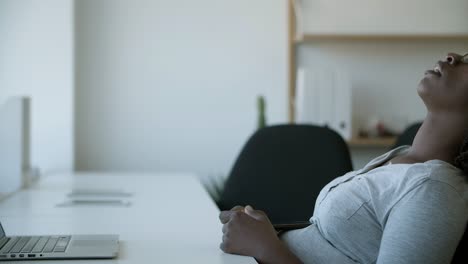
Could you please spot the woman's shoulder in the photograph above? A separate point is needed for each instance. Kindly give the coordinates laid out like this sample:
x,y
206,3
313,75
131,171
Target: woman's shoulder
x,y
400,180
433,186
412,175
442,173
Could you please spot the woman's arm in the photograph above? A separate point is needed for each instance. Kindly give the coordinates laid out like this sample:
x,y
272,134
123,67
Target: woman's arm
x,y
249,232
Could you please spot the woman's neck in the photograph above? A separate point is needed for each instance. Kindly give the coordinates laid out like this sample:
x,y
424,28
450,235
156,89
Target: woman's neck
x,y
439,137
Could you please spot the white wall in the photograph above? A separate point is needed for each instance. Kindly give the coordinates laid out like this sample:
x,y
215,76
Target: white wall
x,y
146,101
36,59
172,85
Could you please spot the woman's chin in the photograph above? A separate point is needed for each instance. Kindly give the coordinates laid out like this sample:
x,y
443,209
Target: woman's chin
x,y
422,87
426,84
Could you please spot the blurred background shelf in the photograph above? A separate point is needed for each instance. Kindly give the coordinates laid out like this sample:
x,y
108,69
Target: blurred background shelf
x,y
385,142
378,37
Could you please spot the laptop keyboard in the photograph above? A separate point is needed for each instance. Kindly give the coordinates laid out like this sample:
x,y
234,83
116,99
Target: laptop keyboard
x,y
43,244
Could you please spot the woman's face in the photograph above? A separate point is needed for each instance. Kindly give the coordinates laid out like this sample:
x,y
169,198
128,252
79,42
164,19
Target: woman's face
x,y
445,88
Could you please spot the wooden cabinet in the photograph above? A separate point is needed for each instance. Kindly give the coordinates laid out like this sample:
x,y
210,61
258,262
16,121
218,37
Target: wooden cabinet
x,y
440,21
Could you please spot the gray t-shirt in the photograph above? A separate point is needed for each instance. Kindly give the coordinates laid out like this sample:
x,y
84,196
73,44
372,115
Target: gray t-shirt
x,y
398,213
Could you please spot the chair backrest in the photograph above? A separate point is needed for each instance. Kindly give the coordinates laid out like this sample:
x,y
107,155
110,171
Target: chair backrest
x,y
282,169
407,136
462,249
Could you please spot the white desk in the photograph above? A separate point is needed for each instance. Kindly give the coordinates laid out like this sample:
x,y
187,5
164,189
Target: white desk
x,y
171,219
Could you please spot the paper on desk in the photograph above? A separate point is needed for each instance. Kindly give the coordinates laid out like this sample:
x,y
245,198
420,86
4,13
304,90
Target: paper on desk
x,y
94,202
87,192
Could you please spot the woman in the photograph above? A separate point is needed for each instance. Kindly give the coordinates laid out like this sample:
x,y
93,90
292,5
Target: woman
x,y
409,205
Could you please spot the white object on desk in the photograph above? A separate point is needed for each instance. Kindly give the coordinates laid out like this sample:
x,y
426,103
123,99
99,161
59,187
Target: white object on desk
x,y
171,220
79,192
94,202
14,143
97,197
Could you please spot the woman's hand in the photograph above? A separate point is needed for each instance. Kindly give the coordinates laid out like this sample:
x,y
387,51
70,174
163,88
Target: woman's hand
x,y
248,232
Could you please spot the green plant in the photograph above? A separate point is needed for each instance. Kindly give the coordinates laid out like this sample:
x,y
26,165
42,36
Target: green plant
x,y
261,107
214,185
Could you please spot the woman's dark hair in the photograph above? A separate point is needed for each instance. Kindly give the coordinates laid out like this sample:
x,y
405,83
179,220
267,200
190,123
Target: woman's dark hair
x,y
461,161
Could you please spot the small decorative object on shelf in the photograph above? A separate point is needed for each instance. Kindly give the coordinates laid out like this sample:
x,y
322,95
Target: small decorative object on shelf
x,y
375,133
261,105
376,128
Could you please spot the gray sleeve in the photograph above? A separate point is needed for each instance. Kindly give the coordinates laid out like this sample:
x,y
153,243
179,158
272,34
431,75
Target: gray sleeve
x,y
425,226
311,248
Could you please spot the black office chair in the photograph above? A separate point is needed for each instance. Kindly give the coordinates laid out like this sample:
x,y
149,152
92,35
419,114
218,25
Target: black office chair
x,y
406,138
282,169
460,254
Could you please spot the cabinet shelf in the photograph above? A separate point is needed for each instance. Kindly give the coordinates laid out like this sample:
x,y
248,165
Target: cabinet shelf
x,y
378,37
384,142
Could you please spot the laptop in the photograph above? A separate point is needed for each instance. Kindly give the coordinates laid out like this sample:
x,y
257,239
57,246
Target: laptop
x,y
57,247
